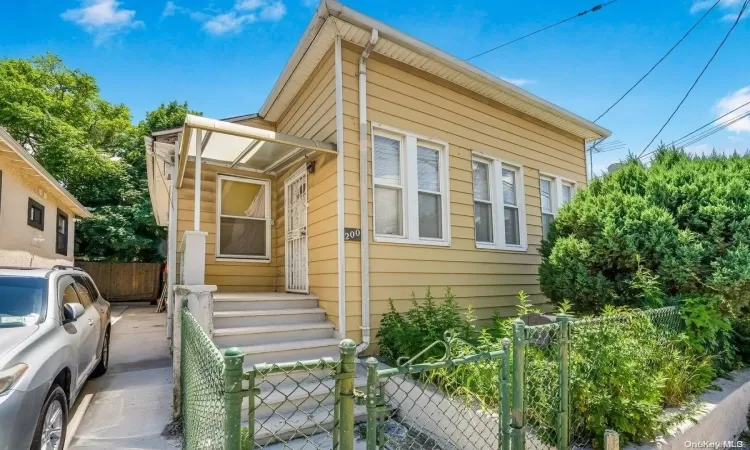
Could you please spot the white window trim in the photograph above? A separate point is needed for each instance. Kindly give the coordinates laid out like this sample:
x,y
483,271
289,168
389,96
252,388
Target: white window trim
x,y
498,206
269,222
410,185
557,184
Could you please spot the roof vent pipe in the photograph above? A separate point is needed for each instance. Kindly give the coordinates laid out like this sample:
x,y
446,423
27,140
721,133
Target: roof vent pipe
x,y
363,204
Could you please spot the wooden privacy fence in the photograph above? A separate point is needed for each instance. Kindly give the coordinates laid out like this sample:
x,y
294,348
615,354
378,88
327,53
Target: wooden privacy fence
x,y
125,281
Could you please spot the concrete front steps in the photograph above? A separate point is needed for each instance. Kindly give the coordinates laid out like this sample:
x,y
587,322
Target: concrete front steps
x,y
275,327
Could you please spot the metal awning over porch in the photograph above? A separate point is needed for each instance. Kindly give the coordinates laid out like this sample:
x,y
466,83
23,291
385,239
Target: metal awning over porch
x,y
241,146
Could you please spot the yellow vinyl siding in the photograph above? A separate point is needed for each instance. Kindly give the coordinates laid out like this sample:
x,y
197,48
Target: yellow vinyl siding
x,y
228,276
405,98
313,115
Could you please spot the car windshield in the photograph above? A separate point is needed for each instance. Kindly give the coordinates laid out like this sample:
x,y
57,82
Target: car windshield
x,y
22,300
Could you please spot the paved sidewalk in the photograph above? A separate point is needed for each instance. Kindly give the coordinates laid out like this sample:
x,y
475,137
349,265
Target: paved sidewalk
x,y
130,406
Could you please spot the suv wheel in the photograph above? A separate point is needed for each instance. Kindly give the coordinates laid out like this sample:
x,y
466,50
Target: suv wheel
x,y
101,368
50,428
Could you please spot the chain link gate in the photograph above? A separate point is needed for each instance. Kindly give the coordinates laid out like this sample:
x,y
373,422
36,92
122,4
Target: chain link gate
x,y
524,402
426,406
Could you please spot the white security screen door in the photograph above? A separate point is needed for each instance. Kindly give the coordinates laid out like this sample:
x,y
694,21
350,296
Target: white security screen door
x,y
295,219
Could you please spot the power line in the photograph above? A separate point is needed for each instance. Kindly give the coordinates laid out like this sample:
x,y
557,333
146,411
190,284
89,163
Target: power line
x,y
659,61
709,123
734,25
716,129
711,131
580,14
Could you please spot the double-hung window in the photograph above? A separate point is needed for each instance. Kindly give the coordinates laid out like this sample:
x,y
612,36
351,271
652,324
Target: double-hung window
x,y
499,216
243,225
61,233
410,188
554,192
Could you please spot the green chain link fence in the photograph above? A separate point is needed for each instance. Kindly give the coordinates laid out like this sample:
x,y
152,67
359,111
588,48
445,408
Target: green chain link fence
x,y
427,406
527,389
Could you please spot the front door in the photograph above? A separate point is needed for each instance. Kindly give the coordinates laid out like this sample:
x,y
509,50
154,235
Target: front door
x,y
295,219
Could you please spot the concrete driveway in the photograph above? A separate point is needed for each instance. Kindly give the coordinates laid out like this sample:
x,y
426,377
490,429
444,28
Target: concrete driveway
x,y
131,406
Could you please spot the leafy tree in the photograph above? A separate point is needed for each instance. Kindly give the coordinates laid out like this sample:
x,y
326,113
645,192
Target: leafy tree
x,y
92,148
643,235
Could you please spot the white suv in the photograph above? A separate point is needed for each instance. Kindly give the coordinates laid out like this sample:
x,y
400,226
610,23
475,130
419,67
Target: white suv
x,y
54,333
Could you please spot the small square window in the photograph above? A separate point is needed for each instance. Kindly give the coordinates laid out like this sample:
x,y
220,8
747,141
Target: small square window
x,y
35,215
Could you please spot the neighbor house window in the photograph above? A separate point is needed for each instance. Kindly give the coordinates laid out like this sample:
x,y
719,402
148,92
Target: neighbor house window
x,y
61,239
499,218
35,215
554,193
410,188
243,222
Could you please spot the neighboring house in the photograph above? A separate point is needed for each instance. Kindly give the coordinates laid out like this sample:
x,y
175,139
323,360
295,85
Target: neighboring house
x,y
37,215
468,172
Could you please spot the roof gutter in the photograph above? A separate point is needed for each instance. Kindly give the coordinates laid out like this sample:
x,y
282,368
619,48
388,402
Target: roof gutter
x,y
336,9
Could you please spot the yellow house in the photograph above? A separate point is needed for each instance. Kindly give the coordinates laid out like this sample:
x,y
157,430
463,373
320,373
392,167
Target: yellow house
x,y
461,171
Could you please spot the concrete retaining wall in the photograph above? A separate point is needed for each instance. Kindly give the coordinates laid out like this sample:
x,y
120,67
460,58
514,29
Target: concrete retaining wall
x,y
722,417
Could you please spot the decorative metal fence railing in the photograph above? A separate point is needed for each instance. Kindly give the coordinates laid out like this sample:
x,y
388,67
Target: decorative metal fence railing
x,y
515,397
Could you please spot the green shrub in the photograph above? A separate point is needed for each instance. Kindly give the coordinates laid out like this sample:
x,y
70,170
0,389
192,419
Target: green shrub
x,y
741,338
709,332
685,372
425,322
643,234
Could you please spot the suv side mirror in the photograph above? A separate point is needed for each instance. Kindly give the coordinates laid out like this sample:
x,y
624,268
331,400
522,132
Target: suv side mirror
x,y
72,311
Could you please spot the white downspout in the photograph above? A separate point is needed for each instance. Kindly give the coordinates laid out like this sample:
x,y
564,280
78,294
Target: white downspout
x,y
172,241
340,186
364,219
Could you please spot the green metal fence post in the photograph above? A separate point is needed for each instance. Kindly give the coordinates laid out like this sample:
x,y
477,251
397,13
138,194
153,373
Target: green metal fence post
x,y
233,359
250,440
504,426
518,421
563,434
373,392
346,382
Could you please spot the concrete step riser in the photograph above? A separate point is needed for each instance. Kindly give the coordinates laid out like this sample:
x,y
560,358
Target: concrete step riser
x,y
308,404
292,355
240,340
281,380
264,305
259,321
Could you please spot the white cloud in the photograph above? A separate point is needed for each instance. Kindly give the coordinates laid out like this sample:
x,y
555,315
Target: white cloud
x,y
102,18
702,5
708,150
273,11
733,101
228,22
520,82
732,16
233,21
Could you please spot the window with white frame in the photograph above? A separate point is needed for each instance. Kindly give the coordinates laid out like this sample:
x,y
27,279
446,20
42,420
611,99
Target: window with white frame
x,y
554,193
243,220
499,216
410,187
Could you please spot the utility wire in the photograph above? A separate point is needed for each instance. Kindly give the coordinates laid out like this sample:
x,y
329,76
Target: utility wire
x,y
711,131
580,14
734,25
709,123
716,129
659,61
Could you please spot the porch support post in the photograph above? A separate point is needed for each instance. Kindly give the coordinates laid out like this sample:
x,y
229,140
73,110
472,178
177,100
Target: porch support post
x,y
340,186
172,244
198,151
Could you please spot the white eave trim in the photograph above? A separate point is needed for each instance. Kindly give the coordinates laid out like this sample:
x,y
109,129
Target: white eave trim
x,y
579,126
78,208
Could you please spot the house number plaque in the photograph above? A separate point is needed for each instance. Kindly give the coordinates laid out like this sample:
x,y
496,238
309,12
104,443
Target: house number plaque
x,y
352,234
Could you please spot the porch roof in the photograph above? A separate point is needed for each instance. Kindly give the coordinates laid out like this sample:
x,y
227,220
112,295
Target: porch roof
x,y
242,146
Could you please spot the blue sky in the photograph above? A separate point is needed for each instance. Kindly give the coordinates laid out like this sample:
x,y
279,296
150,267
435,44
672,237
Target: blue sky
x,y
223,56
